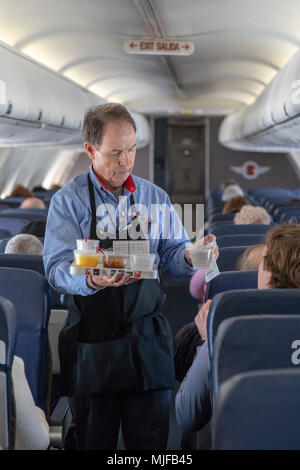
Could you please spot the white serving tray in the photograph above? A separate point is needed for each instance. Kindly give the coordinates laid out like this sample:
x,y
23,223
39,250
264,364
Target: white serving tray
x,y
100,271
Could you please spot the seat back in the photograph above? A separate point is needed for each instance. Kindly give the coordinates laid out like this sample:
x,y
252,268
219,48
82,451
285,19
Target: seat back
x,y
258,411
29,214
8,336
231,280
237,303
5,234
232,229
27,290
221,218
240,240
12,224
228,257
255,342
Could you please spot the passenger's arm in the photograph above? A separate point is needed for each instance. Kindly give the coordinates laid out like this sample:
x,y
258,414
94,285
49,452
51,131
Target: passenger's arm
x,y
193,403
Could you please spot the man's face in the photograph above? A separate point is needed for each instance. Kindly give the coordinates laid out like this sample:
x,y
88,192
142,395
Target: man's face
x,y
264,277
113,159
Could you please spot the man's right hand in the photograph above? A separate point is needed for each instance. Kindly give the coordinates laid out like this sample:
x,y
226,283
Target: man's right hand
x,y
116,280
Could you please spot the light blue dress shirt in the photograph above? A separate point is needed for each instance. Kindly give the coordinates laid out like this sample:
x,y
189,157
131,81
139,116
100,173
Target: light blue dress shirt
x,y
69,218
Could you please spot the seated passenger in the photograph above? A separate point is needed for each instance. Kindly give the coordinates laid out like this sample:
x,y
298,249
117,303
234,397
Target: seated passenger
x,y
21,191
24,244
230,191
31,427
36,227
33,203
279,268
252,215
235,204
251,258
229,182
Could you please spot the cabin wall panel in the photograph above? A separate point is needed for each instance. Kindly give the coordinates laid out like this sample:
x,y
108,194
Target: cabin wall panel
x,y
282,173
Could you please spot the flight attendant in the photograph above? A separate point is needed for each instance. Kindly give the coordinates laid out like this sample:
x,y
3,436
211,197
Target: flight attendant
x,y
115,349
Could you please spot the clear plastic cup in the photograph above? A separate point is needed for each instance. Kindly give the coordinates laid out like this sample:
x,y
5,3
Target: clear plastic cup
x,y
142,262
86,246
111,260
86,259
202,259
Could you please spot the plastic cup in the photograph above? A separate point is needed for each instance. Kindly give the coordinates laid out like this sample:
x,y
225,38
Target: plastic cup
x,y
86,259
142,262
114,261
201,259
86,246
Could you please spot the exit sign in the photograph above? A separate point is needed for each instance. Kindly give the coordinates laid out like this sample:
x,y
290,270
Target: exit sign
x,y
159,46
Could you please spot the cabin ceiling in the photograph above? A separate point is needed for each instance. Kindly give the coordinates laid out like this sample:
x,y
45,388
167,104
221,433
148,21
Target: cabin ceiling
x,y
239,48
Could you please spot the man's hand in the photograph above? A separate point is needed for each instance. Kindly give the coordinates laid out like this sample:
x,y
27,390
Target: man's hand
x,y
117,280
200,244
201,319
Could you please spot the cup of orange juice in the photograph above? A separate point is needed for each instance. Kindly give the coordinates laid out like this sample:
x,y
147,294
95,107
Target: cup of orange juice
x,y
86,259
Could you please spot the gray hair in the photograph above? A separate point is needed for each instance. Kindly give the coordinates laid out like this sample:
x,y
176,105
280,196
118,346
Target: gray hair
x,y
24,244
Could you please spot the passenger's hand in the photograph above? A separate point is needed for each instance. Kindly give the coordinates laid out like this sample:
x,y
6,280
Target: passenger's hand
x,y
201,319
117,280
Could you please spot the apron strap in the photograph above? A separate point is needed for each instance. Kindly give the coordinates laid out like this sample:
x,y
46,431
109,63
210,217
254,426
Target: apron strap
x,y
93,233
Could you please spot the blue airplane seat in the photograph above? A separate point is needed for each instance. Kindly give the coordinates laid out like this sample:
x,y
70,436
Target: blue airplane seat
x,y
228,229
13,201
237,303
3,207
228,257
34,263
24,214
28,292
231,280
5,234
254,342
258,411
8,338
221,218
240,240
4,241
288,216
12,224
30,214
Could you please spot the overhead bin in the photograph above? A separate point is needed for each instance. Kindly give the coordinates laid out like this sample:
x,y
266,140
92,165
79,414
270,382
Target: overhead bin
x,y
272,122
39,106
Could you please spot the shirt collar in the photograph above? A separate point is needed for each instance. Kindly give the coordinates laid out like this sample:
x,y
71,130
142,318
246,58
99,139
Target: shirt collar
x,y
129,183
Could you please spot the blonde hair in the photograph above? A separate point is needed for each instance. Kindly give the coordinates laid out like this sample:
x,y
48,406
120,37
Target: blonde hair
x,y
252,215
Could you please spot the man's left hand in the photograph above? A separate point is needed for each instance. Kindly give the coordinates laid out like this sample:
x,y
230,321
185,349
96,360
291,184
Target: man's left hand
x,y
200,244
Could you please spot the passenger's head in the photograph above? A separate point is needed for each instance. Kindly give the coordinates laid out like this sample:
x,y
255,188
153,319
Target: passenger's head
x,y
251,258
229,182
110,142
235,204
280,266
231,191
33,203
36,227
252,215
21,191
24,244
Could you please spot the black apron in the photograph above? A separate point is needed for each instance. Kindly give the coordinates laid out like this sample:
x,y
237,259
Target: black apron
x,y
116,339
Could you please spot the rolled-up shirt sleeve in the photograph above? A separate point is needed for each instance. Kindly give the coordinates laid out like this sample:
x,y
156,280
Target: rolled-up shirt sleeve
x,y
66,212
193,403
